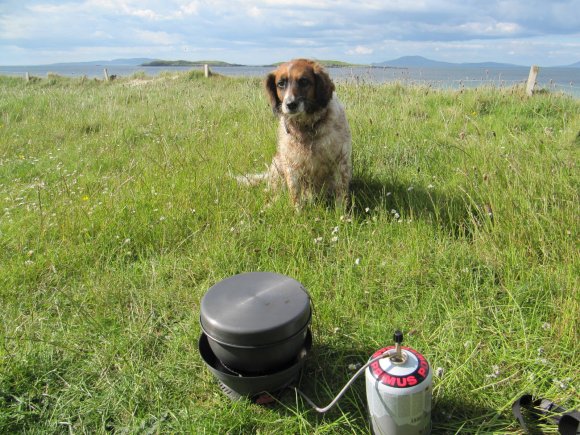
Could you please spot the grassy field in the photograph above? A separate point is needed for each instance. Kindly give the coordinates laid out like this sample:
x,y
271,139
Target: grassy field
x,y
118,213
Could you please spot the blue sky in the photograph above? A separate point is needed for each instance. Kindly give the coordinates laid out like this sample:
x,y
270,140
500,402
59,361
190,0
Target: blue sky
x,y
258,32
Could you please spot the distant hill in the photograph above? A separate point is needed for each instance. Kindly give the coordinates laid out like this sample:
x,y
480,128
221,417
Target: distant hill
x,y
401,62
129,62
423,62
338,64
187,63
412,61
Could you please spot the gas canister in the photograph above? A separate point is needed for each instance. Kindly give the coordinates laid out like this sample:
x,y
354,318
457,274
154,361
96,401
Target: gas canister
x,y
398,388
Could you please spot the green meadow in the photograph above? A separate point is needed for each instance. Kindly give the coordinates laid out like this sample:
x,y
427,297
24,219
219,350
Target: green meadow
x,y
119,211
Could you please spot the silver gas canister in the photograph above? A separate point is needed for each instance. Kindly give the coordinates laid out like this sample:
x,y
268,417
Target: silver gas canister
x,y
399,391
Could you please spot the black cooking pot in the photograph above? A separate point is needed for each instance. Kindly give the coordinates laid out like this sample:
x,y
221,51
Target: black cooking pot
x,y
257,321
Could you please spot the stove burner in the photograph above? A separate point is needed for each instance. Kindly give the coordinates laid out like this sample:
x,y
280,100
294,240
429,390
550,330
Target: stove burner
x,y
236,397
264,398
260,388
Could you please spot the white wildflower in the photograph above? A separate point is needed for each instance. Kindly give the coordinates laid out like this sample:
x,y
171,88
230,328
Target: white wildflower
x,y
495,371
561,384
357,261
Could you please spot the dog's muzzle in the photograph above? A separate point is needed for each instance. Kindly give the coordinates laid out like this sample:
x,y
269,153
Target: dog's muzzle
x,y
292,106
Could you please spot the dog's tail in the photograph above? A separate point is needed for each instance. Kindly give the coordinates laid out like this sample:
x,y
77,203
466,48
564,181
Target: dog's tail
x,y
251,179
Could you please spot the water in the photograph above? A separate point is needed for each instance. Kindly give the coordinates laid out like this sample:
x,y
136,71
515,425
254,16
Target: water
x,y
565,80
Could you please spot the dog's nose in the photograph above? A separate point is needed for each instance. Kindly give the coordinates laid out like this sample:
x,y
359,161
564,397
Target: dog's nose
x,y
292,106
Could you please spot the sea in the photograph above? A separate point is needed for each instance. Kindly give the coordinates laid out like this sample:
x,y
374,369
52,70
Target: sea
x,y
557,79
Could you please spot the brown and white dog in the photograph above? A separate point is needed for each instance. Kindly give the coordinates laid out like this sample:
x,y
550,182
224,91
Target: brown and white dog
x,y
313,156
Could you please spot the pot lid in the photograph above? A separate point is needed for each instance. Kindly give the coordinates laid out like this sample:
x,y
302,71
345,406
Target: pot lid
x,y
254,309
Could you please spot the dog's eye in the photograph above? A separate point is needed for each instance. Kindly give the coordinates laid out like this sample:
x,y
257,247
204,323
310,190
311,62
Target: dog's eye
x,y
303,82
282,83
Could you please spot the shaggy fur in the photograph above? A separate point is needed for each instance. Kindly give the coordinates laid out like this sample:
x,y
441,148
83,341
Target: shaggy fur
x,y
313,156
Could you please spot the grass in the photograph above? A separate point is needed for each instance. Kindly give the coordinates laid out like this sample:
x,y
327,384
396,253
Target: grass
x,y
118,213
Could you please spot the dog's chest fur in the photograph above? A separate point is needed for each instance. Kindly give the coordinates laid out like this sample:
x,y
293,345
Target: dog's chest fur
x,y
312,146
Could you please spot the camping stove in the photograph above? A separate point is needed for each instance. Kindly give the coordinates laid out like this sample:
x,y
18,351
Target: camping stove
x,y
256,338
257,387
255,333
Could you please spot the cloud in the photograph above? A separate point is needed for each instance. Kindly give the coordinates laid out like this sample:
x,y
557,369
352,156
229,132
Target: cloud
x,y
294,4
190,8
483,28
265,30
255,12
360,49
157,38
99,34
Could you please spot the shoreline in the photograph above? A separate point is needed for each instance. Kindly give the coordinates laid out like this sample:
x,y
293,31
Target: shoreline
x,y
556,79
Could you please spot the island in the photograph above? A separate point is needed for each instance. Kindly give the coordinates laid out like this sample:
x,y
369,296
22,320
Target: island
x,y
188,63
219,63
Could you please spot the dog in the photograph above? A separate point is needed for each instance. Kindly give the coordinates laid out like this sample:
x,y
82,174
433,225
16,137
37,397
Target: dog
x,y
313,155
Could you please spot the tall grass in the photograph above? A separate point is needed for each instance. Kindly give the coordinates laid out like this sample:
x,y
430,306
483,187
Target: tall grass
x,y
118,213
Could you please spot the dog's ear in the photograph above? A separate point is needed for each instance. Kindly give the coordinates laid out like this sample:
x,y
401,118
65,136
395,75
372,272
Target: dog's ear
x,y
270,85
324,86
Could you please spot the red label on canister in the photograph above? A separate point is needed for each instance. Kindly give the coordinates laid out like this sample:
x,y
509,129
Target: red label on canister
x,y
418,375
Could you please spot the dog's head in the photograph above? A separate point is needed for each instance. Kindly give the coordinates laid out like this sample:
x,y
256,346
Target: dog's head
x,y
298,87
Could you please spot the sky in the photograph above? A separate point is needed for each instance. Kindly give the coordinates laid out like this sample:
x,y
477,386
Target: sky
x,y
259,32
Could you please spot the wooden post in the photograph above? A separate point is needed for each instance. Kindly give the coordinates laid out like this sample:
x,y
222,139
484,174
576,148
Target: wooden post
x,y
106,74
532,80
27,76
206,71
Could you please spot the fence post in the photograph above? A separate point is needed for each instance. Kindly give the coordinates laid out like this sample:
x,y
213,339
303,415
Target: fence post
x,y
206,71
532,80
106,74
27,76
